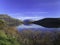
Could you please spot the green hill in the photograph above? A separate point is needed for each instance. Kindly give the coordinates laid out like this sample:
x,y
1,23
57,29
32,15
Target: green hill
x,y
9,20
8,35
8,32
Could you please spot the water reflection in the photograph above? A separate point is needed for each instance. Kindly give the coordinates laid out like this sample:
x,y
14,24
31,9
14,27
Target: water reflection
x,y
30,26
35,27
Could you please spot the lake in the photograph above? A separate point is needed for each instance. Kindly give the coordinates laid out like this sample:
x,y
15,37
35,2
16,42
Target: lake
x,y
35,27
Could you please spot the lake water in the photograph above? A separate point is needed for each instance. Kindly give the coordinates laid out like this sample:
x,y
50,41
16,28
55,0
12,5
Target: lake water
x,y
35,27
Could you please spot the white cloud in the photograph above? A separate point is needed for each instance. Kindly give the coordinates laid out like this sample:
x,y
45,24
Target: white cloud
x,y
33,18
29,15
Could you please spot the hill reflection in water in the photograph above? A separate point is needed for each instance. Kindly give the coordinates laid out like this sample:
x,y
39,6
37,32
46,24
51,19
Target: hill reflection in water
x,y
35,27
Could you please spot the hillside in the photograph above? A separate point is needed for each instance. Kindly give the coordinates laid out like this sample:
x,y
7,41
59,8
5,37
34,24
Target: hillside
x,y
8,31
9,20
8,35
48,22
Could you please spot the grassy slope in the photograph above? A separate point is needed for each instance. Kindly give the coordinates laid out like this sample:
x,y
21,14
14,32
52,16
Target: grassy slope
x,y
8,35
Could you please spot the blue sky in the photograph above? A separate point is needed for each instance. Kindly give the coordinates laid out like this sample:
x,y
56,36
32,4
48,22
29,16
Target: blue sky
x,y
34,9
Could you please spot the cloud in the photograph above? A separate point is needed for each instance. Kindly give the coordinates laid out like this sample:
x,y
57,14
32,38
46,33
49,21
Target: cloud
x,y
32,18
29,15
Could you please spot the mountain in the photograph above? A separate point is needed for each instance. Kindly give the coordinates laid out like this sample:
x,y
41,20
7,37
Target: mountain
x,y
49,22
9,20
27,22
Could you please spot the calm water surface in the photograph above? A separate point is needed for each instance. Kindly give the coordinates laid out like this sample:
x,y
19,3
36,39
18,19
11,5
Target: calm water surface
x,y
35,27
